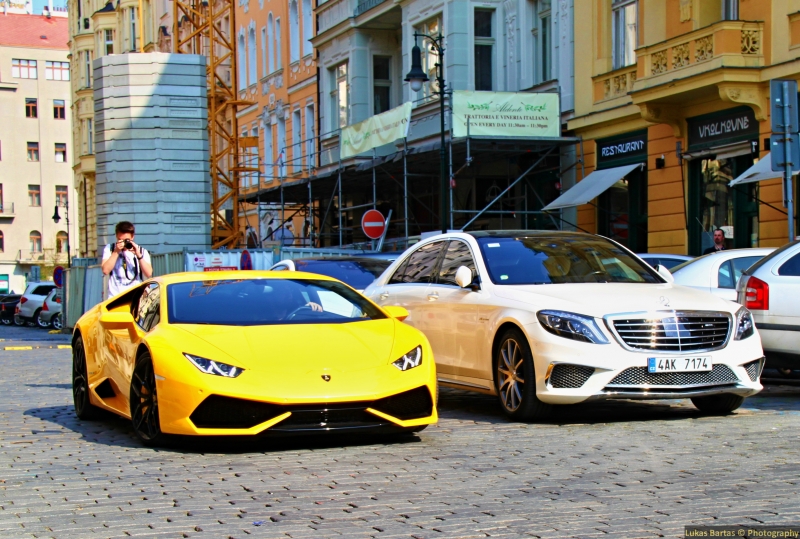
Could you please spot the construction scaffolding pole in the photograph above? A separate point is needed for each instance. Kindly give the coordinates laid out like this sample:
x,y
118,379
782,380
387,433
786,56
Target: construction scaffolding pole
x,y
207,28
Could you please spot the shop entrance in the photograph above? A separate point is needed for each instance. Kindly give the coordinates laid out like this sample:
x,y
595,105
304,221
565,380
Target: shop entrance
x,y
622,211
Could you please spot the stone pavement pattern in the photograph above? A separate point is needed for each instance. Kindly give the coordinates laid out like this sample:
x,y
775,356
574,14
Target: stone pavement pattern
x,y
617,469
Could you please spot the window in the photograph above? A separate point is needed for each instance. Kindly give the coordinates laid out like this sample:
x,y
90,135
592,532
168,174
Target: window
x,y
36,242
310,149
430,59
252,62
23,69
381,84
87,69
242,58
109,41
132,20
456,255
484,50
147,312
3,248
90,136
281,144
264,71
33,152
623,33
339,97
278,53
270,52
62,243
253,150
30,108
294,32
61,152
34,195
308,27
730,10
59,109
419,266
1,198
269,158
297,148
542,42
61,195
791,267
56,70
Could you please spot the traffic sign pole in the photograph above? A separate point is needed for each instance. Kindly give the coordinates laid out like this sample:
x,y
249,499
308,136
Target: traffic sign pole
x,y
787,165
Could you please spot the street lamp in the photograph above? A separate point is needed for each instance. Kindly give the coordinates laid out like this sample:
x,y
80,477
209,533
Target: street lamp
x,y
416,78
56,219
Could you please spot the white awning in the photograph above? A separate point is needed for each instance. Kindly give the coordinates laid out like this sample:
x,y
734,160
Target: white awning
x,y
759,172
591,187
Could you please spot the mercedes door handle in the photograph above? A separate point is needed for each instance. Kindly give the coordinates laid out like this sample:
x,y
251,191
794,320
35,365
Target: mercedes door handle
x,y
433,296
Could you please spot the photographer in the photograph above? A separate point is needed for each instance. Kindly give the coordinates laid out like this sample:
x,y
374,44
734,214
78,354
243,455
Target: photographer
x,y
125,263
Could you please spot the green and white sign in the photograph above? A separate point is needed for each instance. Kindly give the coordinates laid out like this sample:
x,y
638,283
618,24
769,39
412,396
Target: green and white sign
x,y
506,114
382,129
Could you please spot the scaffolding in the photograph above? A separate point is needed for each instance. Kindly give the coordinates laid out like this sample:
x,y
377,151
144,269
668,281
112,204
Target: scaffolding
x,y
493,183
207,28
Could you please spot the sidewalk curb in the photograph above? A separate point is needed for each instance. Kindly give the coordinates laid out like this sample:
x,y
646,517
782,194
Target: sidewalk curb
x,y
45,347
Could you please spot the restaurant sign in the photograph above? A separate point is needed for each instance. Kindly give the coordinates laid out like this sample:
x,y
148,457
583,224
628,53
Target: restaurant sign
x,y
726,127
506,114
629,148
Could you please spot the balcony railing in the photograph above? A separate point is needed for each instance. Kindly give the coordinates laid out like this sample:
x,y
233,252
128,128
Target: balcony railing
x,y
723,44
46,257
366,5
615,84
7,210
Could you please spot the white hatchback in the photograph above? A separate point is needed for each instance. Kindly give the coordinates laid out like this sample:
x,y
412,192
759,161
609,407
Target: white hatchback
x,y
542,318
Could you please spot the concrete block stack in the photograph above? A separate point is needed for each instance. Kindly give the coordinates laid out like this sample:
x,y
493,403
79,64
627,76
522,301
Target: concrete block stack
x,y
151,149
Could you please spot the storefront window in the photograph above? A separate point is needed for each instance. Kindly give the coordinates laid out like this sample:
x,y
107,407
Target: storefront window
x,y
716,202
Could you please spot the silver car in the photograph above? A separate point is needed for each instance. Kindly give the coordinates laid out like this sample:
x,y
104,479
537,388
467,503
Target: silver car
x,y
50,314
30,304
770,289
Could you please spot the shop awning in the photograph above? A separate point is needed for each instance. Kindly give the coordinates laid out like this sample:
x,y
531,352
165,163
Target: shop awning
x,y
592,186
759,172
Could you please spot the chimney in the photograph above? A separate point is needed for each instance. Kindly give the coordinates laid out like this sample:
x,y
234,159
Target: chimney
x,y
49,8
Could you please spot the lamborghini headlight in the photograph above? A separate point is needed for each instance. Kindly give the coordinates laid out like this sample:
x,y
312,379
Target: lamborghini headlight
x,y
744,324
573,326
217,368
409,360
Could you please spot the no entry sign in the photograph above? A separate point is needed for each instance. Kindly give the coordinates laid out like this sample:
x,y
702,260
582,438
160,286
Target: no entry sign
x,y
373,224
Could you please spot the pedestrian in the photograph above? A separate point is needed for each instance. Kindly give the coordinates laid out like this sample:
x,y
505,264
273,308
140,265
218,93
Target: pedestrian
x,y
126,263
719,242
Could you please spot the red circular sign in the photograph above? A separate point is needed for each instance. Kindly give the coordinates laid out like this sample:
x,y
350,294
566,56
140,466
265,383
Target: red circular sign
x,y
373,223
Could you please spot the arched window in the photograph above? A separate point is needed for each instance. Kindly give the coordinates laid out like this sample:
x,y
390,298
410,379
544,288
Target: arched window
x,y
264,71
252,62
294,33
2,242
308,27
36,241
61,242
270,52
242,59
278,52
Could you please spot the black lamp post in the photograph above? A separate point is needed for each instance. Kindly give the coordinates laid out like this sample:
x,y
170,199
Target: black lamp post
x,y
56,219
416,78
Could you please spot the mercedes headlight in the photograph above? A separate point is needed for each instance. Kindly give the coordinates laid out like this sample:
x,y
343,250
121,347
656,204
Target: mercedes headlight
x,y
409,360
744,324
217,368
572,326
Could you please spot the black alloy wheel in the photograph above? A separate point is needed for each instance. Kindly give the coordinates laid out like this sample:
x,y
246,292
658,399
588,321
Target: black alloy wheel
x,y
55,321
515,378
144,401
718,404
84,409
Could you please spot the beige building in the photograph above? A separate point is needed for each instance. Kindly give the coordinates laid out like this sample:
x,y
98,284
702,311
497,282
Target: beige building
x,y
35,153
98,28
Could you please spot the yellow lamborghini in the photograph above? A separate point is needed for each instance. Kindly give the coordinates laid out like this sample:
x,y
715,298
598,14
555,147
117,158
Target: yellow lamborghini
x,y
249,353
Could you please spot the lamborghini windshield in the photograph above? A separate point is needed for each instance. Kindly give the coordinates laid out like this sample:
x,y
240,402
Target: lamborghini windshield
x,y
253,302
561,259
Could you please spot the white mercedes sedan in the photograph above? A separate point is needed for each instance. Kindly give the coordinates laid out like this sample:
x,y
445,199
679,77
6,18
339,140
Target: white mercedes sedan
x,y
540,318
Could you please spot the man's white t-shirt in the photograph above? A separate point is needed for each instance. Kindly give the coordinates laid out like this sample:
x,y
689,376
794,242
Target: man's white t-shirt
x,y
127,271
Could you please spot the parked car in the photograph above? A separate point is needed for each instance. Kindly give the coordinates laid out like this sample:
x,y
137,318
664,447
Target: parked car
x,y
542,318
718,272
669,261
30,303
50,315
8,305
770,289
358,272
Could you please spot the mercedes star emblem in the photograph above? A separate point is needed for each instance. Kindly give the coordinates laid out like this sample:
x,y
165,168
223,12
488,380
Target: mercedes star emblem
x,y
326,377
663,300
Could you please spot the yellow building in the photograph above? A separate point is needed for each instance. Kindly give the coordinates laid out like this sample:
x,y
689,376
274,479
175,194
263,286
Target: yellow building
x,y
98,28
681,87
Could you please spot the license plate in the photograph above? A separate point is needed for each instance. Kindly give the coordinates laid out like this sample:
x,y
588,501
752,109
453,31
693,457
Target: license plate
x,y
679,364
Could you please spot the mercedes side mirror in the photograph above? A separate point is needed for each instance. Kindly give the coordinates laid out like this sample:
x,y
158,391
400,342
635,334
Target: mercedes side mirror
x,y
665,273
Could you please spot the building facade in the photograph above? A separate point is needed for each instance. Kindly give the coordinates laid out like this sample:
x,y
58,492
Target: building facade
x,y
681,89
35,152
278,76
99,28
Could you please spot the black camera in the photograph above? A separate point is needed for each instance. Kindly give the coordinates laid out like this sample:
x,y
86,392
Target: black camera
x,y
128,245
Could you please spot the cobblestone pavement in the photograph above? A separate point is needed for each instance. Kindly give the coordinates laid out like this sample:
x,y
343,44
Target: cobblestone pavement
x,y
619,469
